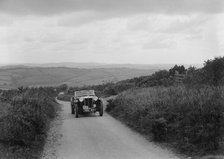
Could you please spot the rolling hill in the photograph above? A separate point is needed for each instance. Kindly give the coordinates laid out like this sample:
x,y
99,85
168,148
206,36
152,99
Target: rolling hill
x,y
98,65
12,77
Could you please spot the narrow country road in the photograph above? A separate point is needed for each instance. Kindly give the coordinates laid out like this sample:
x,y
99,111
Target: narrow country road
x,y
94,137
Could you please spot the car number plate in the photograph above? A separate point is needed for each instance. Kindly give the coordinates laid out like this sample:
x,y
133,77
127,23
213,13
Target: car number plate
x,y
85,107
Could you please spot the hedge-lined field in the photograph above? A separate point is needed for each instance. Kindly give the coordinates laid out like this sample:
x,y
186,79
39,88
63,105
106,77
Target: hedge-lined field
x,y
191,119
24,119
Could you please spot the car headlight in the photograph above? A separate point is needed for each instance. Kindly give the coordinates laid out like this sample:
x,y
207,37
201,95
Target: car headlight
x,y
95,98
81,99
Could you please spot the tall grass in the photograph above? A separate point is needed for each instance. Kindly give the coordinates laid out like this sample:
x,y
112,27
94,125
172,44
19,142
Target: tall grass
x,y
27,113
190,118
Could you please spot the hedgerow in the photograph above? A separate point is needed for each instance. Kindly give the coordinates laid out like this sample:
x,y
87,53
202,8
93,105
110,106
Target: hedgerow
x,y
192,119
27,113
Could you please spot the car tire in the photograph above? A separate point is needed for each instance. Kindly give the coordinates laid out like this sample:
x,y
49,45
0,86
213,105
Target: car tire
x,y
76,111
101,108
72,109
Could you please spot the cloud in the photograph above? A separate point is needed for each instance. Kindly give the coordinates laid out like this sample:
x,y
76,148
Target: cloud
x,y
220,33
167,23
79,18
5,20
186,24
158,43
115,7
52,38
125,31
188,27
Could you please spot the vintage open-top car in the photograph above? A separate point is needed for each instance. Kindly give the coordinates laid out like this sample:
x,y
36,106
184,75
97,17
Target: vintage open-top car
x,y
85,101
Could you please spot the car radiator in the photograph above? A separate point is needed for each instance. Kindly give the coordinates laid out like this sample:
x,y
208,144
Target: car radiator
x,y
88,102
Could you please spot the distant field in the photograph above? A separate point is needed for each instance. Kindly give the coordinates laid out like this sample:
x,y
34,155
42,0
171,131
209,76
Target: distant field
x,y
39,76
5,80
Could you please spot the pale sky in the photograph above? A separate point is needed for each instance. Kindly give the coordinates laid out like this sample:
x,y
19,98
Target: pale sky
x,y
111,31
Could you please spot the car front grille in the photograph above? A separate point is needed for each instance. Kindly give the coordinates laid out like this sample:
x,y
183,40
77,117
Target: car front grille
x,y
88,102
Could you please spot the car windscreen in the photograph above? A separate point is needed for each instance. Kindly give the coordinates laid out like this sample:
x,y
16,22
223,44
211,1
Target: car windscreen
x,y
84,93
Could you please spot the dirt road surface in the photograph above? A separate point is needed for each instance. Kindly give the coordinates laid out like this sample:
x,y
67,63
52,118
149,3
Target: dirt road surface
x,y
95,137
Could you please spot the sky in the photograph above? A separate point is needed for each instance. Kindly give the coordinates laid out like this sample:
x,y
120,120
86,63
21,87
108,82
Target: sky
x,y
111,31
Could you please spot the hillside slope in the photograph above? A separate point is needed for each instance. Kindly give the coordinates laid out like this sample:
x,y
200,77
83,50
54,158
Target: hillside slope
x,y
38,76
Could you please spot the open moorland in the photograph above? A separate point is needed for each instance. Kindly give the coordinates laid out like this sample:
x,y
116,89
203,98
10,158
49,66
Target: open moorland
x,y
14,77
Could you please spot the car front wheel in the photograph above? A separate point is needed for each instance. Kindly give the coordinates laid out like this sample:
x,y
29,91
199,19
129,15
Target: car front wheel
x,y
101,108
76,111
72,109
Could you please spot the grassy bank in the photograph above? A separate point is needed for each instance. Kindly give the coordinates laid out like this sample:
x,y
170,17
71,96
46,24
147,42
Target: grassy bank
x,y
189,119
24,120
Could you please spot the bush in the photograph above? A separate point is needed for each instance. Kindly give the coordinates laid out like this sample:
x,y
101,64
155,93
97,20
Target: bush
x,y
191,118
211,74
26,116
159,129
214,71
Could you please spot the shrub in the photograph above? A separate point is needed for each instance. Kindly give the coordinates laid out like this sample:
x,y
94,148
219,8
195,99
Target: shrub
x,y
27,115
214,71
192,118
211,74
